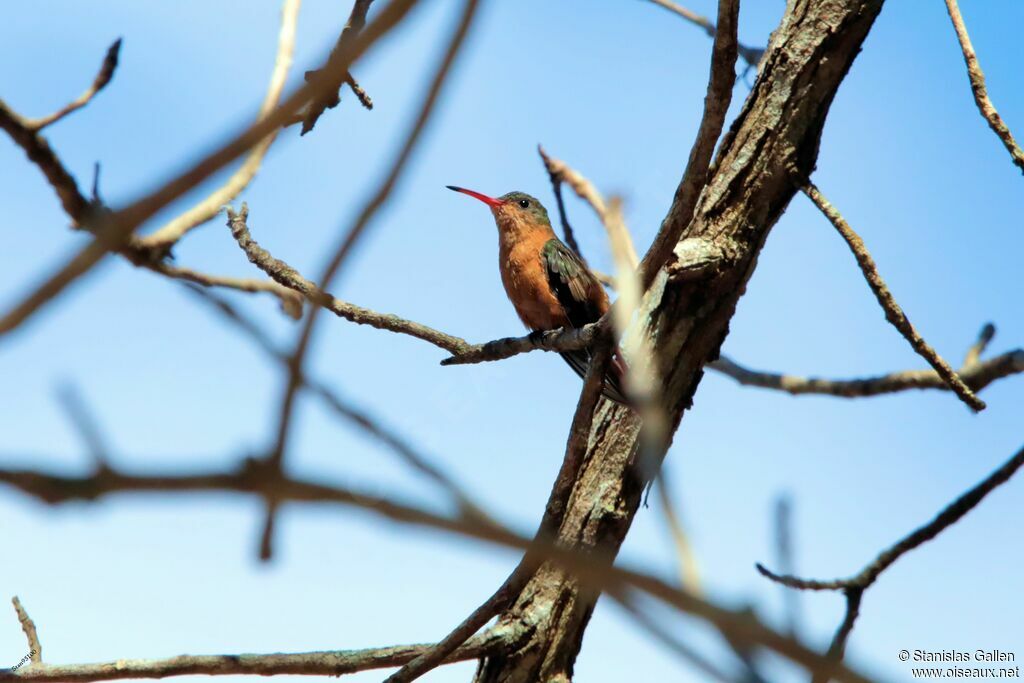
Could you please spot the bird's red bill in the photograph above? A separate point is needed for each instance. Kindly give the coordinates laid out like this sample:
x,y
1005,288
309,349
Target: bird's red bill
x,y
489,201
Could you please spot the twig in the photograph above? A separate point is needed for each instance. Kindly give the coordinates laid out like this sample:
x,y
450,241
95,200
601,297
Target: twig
x,y
893,313
977,78
331,96
783,529
549,340
977,377
855,586
29,627
329,663
291,300
288,277
39,152
946,518
689,572
103,77
716,105
86,425
208,208
117,227
559,172
440,652
973,355
750,55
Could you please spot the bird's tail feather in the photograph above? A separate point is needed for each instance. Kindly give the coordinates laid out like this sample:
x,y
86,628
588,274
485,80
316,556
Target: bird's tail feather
x,y
579,361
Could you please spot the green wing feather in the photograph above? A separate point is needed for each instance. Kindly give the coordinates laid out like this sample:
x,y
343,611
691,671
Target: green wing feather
x,y
572,282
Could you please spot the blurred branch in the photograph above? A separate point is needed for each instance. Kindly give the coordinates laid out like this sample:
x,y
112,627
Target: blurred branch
x,y
348,243
29,627
345,409
330,663
168,235
85,424
893,313
750,55
695,177
975,373
784,557
101,80
559,172
977,78
330,97
291,301
39,152
854,587
255,477
113,229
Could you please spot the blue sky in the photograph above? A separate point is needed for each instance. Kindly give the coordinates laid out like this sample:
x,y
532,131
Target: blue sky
x,y
614,88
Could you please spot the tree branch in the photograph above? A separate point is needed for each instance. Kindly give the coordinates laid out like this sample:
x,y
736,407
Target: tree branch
x,y
855,586
330,97
167,236
115,228
750,55
329,663
716,105
893,313
103,77
29,627
977,78
975,373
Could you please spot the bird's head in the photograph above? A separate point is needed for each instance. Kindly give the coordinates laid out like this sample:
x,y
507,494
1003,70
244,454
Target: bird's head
x,y
514,211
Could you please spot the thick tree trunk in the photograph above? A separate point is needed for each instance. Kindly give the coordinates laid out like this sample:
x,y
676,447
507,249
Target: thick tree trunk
x,y
775,136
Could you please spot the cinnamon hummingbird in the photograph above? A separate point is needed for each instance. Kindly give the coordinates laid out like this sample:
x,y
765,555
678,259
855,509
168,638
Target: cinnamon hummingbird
x,y
548,284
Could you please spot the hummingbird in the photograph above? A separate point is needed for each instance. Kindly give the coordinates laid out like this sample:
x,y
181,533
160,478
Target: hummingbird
x,y
548,283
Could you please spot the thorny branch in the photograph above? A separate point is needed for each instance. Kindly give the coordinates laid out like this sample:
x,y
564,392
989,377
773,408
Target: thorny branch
x,y
893,313
977,78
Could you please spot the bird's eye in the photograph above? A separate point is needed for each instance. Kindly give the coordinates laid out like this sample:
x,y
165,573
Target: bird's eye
x,y
525,203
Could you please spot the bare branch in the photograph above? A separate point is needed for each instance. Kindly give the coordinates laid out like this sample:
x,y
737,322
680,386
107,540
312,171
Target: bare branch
x,y
977,78
893,313
750,55
288,277
291,301
85,424
207,209
949,515
330,97
977,375
329,663
29,627
548,340
716,105
103,77
255,477
39,152
115,228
